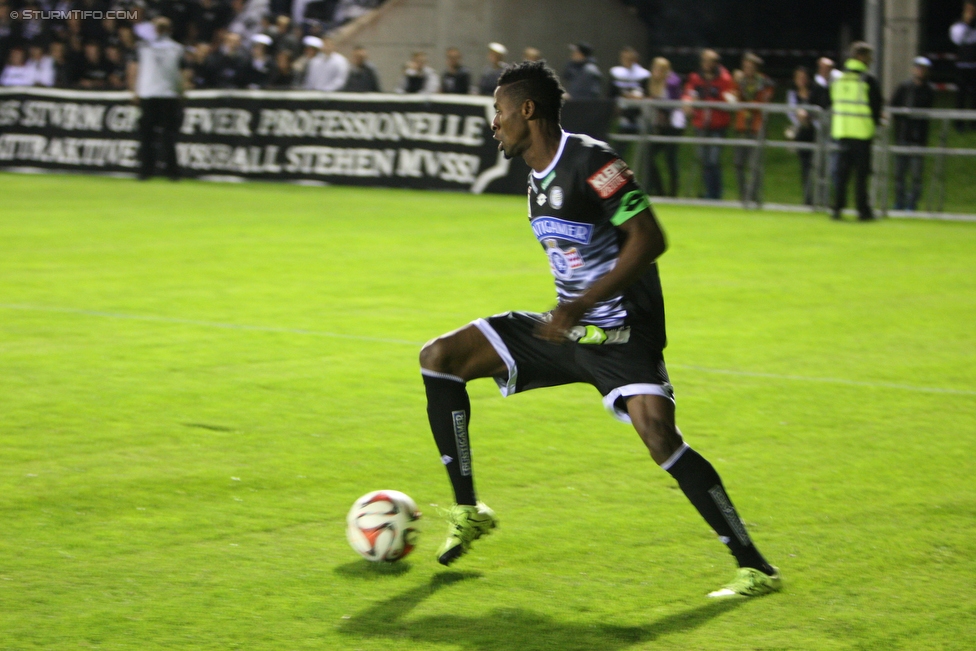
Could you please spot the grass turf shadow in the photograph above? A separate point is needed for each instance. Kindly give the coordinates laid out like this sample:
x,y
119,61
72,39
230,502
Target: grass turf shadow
x,y
516,628
367,570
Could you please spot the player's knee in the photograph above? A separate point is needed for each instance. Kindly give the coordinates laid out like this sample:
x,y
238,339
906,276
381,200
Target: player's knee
x,y
436,356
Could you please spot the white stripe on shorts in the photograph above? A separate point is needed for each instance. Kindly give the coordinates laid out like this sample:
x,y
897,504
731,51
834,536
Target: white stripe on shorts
x,y
609,400
507,387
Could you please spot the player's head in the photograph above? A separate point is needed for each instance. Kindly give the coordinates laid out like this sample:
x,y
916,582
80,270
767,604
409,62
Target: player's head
x,y
528,93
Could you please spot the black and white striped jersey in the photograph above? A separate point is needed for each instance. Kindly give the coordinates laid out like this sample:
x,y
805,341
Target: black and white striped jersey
x,y
575,206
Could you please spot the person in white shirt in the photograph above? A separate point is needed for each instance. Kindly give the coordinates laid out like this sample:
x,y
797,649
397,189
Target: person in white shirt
x,y
159,93
628,80
17,72
42,66
328,70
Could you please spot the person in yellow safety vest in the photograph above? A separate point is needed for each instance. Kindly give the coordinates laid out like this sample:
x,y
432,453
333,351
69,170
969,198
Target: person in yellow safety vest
x,y
856,101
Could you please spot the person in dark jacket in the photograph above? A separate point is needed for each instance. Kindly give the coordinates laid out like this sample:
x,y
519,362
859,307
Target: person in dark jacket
x,y
582,77
456,78
912,132
496,66
258,69
363,77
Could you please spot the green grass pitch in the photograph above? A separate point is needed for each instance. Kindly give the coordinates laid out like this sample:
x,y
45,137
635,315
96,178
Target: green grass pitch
x,y
197,380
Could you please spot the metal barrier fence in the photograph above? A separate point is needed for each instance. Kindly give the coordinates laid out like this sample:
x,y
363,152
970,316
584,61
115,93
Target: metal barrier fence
x,y
653,114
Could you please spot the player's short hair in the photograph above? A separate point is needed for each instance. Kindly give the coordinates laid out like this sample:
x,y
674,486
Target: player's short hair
x,y
861,47
538,82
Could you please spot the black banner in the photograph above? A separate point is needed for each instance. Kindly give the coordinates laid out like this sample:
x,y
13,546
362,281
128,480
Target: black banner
x,y
430,142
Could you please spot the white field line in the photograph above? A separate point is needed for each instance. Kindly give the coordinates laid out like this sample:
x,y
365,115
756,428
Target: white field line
x,y
205,324
383,340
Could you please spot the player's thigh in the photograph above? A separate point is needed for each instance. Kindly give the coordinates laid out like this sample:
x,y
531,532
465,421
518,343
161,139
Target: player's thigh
x,y
465,353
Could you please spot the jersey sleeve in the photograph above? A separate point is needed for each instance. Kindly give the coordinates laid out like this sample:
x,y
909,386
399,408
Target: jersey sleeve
x,y
610,183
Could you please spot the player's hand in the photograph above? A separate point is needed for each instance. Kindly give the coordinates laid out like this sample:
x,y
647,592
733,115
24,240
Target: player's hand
x,y
563,318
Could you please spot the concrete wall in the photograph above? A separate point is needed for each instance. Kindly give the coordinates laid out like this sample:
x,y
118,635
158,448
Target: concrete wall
x,y
403,26
900,43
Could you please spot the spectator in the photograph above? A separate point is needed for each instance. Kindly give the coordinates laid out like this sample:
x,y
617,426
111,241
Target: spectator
x,y
127,41
209,16
582,77
260,66
41,65
754,87
912,132
963,34
456,78
627,81
200,73
248,20
17,72
418,77
116,64
363,76
282,75
159,91
496,65
62,71
328,70
94,69
802,127
665,84
531,54
228,63
6,31
284,37
312,46
856,99
712,83
826,75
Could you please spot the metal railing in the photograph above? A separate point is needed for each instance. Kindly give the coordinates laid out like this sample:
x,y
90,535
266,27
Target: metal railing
x,y
653,112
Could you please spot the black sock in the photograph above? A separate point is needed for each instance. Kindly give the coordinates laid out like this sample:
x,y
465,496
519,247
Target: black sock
x,y
449,411
703,488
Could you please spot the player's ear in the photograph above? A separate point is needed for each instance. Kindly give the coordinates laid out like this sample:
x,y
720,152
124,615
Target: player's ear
x,y
528,109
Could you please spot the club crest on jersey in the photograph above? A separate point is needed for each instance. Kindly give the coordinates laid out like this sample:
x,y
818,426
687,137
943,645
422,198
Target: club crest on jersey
x,y
556,197
610,178
562,262
544,227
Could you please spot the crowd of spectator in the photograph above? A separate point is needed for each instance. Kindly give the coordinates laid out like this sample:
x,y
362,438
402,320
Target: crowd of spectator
x,y
285,44
90,44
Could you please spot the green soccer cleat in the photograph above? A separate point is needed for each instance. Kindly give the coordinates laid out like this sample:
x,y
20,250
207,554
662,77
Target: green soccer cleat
x,y
750,582
465,524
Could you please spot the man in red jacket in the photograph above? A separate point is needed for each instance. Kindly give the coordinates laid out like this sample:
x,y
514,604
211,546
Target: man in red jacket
x,y
712,83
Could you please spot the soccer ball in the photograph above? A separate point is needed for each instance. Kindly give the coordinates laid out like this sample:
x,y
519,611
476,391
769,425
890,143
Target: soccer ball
x,y
380,526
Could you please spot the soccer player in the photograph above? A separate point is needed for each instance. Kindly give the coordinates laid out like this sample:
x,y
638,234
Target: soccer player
x,y
602,239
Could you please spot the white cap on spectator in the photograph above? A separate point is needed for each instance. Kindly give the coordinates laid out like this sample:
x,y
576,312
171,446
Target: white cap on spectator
x,y
312,41
499,48
263,39
922,61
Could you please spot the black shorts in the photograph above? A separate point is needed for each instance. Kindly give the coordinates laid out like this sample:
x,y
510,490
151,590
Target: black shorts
x,y
617,370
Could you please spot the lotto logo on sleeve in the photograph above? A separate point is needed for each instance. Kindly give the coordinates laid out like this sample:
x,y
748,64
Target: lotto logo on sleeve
x,y
610,178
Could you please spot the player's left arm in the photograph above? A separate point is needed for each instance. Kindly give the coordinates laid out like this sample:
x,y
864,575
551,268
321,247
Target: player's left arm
x,y
644,242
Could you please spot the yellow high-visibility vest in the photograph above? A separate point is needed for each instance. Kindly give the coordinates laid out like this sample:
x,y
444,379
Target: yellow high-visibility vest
x,y
851,109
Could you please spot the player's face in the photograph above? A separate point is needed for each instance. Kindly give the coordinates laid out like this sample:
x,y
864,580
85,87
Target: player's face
x,y
510,126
